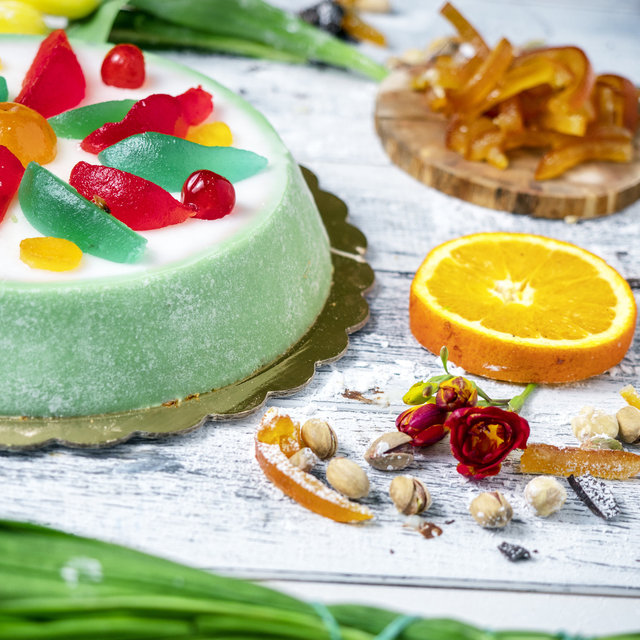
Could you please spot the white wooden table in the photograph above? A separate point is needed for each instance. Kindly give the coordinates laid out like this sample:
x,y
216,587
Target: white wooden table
x,y
201,498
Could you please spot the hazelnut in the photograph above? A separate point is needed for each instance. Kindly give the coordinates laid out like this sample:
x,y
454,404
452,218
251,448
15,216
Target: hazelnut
x,y
319,437
410,495
348,478
491,510
629,421
593,422
304,459
545,495
390,452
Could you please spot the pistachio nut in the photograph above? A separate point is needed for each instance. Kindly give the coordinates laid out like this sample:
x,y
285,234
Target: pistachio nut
x,y
390,452
304,459
629,421
319,437
410,495
600,442
491,510
545,495
348,478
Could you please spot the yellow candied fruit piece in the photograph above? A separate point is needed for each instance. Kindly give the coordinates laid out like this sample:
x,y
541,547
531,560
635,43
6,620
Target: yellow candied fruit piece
x,y
26,134
280,429
52,254
20,17
69,8
630,394
212,134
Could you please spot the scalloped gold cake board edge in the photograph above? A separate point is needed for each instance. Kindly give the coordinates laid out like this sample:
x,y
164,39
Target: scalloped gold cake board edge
x,y
345,311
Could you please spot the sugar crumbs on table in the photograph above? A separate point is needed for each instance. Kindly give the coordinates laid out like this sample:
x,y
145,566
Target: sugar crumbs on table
x,y
596,495
514,552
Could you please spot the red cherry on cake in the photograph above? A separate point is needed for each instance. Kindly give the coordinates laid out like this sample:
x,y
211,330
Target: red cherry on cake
x,y
123,67
210,194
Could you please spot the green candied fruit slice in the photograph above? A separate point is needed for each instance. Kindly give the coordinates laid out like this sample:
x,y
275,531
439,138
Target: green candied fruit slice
x,y
4,90
169,161
79,123
56,209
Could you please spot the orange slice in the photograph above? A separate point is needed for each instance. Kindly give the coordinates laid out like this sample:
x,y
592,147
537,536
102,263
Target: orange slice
x,y
304,488
522,308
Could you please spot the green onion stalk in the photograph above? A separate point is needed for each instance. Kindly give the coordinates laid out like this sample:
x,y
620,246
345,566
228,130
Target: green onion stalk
x,y
241,27
57,585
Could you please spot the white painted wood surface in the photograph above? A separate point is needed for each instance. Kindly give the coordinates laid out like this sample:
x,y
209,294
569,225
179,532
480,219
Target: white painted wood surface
x,y
201,498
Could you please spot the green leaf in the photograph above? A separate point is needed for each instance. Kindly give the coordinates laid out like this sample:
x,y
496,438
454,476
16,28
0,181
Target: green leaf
x,y
97,26
258,21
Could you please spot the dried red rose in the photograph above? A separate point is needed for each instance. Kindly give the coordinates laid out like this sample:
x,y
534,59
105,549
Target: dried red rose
x,y
481,438
424,423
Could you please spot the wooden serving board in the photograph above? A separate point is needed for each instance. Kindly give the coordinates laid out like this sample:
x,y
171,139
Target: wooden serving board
x,y
414,137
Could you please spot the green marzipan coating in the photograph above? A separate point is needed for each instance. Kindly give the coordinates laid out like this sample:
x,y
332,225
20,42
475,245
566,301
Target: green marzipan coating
x,y
87,347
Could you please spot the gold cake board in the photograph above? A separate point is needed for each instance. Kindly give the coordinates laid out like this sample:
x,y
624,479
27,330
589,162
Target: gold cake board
x,y
345,311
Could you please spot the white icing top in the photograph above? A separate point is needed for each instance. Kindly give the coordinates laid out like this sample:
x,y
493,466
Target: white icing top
x,y
170,244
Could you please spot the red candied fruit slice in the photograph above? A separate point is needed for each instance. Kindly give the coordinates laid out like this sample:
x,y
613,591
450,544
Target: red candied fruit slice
x,y
11,171
140,204
158,112
123,67
54,81
197,105
211,195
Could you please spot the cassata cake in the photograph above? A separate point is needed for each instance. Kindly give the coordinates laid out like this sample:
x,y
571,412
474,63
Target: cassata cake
x,y
208,303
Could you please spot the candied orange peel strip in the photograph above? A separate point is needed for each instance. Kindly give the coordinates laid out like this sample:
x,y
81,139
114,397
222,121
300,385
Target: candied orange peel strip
x,y
497,100
303,487
564,461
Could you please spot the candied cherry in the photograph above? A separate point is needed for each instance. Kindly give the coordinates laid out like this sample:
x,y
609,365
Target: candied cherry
x,y
26,134
52,254
209,193
123,67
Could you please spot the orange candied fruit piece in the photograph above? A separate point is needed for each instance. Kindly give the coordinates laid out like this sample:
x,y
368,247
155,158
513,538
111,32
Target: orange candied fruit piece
x,y
564,461
212,134
26,134
52,254
631,396
303,487
280,429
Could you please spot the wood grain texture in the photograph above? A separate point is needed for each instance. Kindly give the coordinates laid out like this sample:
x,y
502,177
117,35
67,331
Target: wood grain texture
x,y
202,499
414,138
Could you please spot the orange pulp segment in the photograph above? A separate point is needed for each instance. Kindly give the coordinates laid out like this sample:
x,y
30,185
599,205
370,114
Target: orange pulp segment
x,y
304,488
564,461
631,396
522,308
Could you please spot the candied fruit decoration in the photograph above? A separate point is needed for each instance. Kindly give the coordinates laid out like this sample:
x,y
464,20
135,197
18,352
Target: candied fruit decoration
x,y
280,429
123,67
52,254
596,495
4,90
140,204
169,161
196,105
26,134
564,461
11,171
79,123
630,395
304,488
54,82
213,134
55,208
158,112
209,194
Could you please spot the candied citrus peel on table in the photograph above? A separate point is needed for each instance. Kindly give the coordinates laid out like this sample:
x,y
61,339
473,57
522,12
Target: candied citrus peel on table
x,y
631,396
277,439
611,464
522,308
505,98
